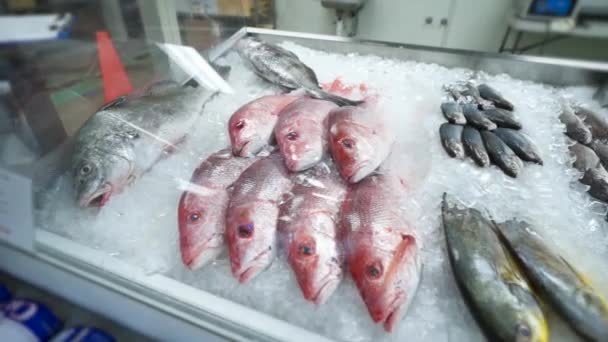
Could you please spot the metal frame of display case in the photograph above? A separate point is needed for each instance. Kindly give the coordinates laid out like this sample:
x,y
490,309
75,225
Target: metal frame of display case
x,y
176,311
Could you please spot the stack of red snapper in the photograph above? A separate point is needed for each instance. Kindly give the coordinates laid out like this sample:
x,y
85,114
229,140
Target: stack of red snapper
x,y
293,200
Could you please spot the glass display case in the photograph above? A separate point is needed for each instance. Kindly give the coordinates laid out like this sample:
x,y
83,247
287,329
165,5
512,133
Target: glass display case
x,y
271,185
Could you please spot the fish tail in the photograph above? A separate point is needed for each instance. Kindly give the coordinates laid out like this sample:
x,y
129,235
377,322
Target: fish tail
x,y
340,101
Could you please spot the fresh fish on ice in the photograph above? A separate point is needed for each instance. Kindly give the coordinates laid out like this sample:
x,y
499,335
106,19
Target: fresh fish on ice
x,y
451,139
575,127
520,143
251,217
382,249
473,146
301,132
476,118
494,289
128,136
560,284
597,179
453,113
585,158
250,127
601,149
283,68
359,141
502,118
501,155
201,213
494,96
597,122
310,235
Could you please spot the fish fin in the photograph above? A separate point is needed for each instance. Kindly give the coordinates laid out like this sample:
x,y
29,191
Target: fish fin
x,y
340,101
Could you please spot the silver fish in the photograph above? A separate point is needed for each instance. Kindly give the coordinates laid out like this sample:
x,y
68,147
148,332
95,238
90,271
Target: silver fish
x,y
494,96
127,137
597,122
453,113
521,144
451,139
585,158
283,68
501,154
502,118
561,285
575,127
473,145
476,118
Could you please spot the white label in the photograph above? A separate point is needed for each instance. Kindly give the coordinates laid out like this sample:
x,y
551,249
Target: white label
x,y
16,221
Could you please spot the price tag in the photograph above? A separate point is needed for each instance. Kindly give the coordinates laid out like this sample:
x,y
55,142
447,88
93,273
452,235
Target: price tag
x,y
16,214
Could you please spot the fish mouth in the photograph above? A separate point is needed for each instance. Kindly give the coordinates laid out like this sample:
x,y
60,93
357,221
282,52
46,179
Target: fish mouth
x,y
201,255
391,319
241,151
326,290
250,272
354,176
99,198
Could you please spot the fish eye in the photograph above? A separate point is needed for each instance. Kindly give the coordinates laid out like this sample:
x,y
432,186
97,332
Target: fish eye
x,y
292,136
85,169
348,143
523,330
307,248
374,270
240,124
194,217
245,230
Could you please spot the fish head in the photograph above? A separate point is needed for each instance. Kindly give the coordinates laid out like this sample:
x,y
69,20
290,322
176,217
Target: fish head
x,y
250,231
248,133
316,258
386,280
201,232
97,175
302,143
355,149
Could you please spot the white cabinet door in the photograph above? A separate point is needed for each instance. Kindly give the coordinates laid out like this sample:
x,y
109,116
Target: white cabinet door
x,y
404,21
477,25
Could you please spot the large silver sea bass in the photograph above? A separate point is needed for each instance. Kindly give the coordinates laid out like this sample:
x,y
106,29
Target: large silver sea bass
x,y
128,136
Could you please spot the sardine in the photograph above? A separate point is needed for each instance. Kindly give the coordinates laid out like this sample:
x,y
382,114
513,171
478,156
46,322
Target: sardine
x,y
283,68
502,118
476,118
301,132
128,136
501,154
520,143
201,213
310,235
251,217
496,292
560,284
585,158
494,96
451,139
453,113
597,122
382,249
359,141
474,147
575,127
251,127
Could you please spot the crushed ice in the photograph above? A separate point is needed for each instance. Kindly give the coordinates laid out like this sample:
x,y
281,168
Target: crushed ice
x,y
139,226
